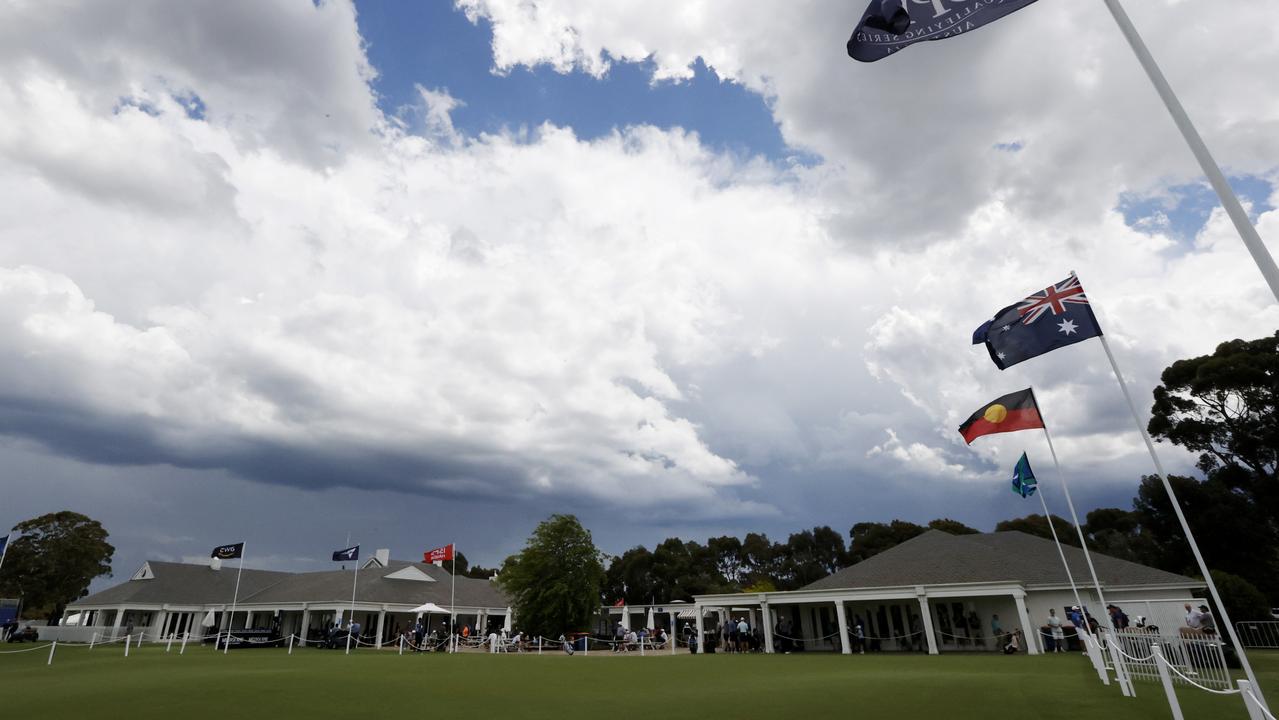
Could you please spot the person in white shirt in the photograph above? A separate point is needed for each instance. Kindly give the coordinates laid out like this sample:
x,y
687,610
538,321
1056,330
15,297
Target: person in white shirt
x,y
1194,618
1054,626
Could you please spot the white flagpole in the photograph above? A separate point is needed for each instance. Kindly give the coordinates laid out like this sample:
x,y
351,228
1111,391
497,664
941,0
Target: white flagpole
x,y
355,579
1248,233
1083,543
234,599
1185,526
453,599
1060,553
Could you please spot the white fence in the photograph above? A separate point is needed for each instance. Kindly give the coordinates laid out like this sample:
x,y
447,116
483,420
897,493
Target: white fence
x,y
1198,660
1258,633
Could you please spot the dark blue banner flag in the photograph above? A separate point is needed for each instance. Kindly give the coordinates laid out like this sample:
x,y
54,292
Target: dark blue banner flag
x,y
890,25
228,552
1024,482
351,553
1054,317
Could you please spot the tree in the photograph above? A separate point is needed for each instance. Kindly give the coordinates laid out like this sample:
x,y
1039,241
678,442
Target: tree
x,y
54,559
630,577
1225,406
871,538
1037,526
1234,534
954,527
1242,598
1121,533
810,556
555,581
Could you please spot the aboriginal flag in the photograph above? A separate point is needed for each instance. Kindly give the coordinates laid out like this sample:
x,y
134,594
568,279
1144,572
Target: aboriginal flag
x,y
228,552
1012,412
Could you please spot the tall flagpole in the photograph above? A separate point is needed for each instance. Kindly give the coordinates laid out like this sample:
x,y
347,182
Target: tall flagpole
x,y
230,623
1083,543
1061,553
453,600
1185,526
355,579
1247,232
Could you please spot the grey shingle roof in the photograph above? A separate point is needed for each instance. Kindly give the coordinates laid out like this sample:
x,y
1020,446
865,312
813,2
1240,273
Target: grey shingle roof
x,y
187,584
939,558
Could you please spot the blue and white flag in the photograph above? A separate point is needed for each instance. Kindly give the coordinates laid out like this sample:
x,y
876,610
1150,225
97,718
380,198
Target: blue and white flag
x,y
890,25
4,547
351,553
1024,482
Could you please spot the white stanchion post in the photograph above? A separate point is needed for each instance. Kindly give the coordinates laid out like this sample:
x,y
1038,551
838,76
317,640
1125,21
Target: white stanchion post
x,y
184,642
169,645
52,647
643,642
127,639
291,643
539,644
1166,679
586,645
1094,656
401,645
1121,672
1250,701
93,640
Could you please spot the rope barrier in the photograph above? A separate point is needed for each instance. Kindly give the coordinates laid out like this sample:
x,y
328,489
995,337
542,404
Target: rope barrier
x,y
24,650
1260,705
1183,676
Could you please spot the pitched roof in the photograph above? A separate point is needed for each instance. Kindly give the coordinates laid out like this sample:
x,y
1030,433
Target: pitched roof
x,y
939,558
188,584
185,584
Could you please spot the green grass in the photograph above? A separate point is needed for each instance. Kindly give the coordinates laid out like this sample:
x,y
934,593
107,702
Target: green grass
x,y
314,683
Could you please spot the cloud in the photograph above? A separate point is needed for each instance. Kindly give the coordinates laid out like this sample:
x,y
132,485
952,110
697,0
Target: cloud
x,y
287,287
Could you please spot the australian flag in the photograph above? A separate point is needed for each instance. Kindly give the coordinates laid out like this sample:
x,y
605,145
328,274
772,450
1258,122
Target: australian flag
x,y
1057,316
351,553
1024,482
890,25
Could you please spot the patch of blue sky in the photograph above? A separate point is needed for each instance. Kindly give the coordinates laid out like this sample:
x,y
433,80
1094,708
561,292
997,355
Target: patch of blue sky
x,y
1181,211
1010,147
434,45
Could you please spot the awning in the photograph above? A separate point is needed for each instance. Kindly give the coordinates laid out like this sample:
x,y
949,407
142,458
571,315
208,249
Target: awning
x,y
429,608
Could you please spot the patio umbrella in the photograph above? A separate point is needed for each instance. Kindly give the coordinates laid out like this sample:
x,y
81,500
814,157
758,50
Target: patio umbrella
x,y
208,620
507,625
649,623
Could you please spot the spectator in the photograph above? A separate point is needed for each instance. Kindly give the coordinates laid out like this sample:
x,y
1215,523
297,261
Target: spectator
x,y
1057,638
1118,620
996,630
743,635
1207,622
1194,617
1012,643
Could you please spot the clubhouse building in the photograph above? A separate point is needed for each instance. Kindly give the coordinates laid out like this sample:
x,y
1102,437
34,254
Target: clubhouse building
x,y
936,592
164,598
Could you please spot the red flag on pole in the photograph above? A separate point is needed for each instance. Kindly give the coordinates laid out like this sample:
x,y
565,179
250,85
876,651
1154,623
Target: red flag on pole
x,y
621,602
439,554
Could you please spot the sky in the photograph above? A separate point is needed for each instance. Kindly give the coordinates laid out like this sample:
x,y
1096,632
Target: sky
x,y
405,273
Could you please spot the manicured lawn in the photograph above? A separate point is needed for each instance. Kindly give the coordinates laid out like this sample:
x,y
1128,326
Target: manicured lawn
x,y
314,683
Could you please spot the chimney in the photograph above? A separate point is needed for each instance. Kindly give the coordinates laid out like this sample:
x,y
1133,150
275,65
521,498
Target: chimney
x,y
215,563
383,556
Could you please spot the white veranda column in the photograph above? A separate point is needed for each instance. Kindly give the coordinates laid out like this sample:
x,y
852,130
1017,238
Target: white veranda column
x,y
306,625
842,616
701,630
926,619
381,625
767,626
115,628
1031,634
